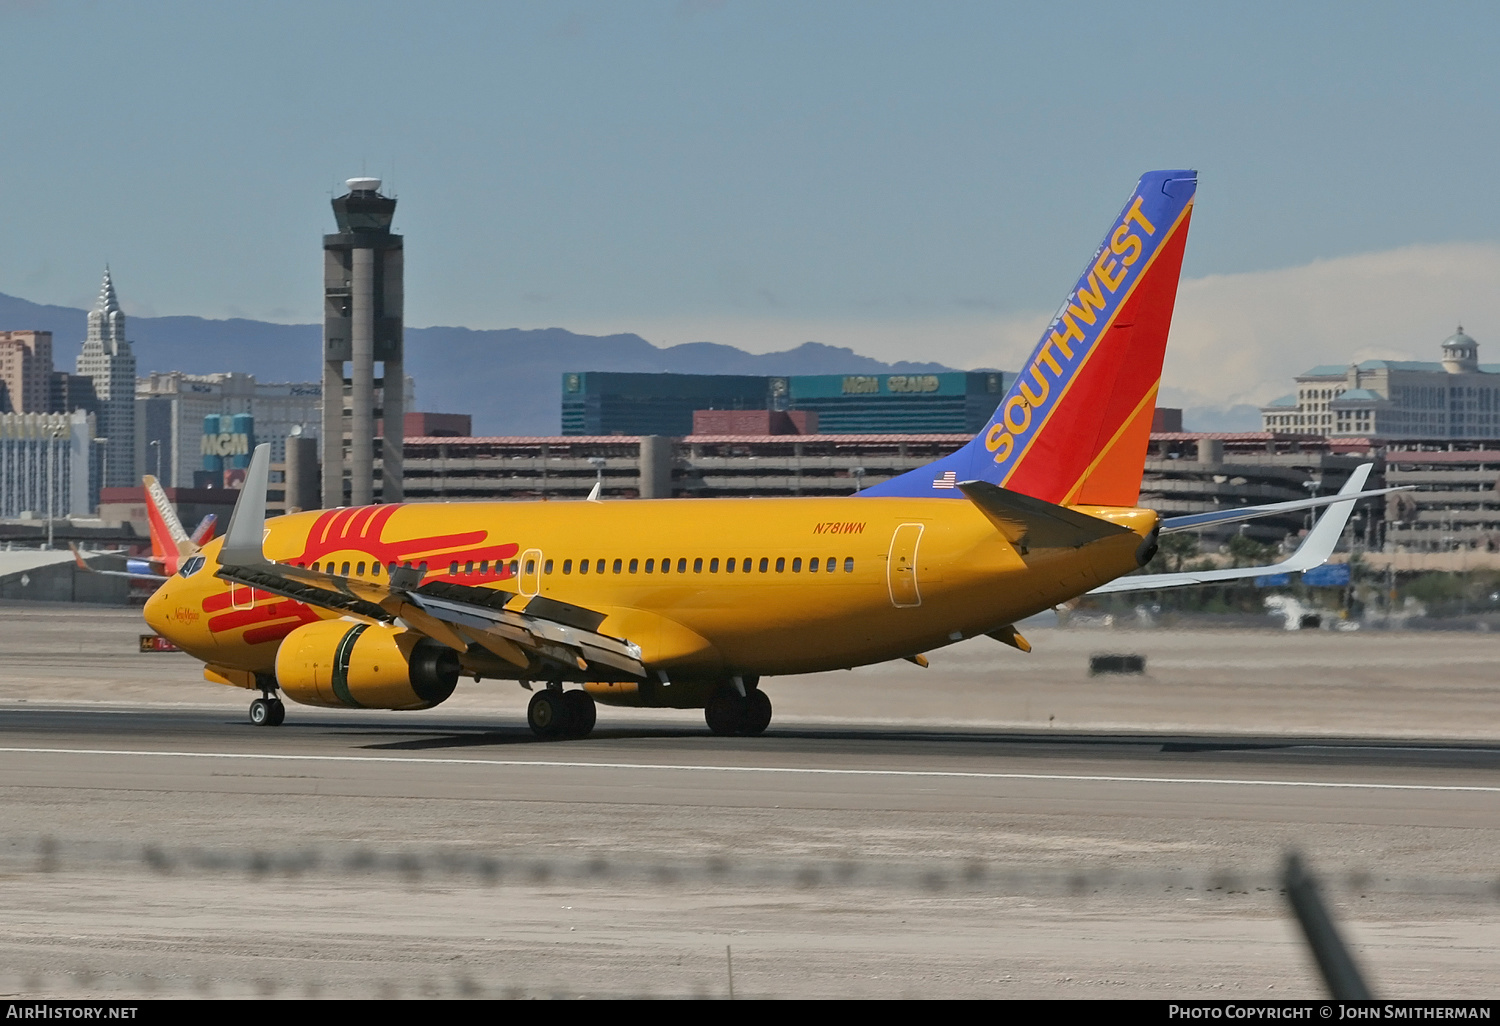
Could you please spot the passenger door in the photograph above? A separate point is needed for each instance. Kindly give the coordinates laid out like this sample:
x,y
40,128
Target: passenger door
x,y
901,566
530,577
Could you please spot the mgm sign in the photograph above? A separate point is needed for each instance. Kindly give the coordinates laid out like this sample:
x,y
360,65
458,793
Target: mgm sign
x,y
227,441
226,444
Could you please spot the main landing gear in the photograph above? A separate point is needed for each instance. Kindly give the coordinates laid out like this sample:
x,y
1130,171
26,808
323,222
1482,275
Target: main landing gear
x,y
267,712
555,713
730,713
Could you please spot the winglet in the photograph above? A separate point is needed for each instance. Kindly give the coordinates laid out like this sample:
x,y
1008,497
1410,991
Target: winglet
x,y
1318,545
247,524
1233,514
1314,550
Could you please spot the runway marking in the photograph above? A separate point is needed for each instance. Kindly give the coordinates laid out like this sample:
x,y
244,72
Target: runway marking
x,y
704,768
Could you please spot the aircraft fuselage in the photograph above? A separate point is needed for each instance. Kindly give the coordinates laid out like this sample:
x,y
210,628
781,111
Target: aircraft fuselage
x,y
705,587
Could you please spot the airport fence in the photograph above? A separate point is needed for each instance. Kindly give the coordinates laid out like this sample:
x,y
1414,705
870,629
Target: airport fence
x,y
1289,890
458,867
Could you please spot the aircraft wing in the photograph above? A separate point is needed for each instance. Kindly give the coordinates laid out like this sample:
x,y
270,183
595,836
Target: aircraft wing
x,y
133,574
529,632
1193,521
1314,550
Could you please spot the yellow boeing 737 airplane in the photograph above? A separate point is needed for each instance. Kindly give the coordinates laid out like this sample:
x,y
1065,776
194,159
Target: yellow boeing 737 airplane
x,y
689,603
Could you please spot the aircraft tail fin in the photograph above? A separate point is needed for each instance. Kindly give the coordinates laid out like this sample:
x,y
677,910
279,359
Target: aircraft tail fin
x,y
1074,427
169,542
205,530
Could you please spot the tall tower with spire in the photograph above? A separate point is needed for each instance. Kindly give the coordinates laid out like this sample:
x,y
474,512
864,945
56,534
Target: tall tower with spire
x,y
107,361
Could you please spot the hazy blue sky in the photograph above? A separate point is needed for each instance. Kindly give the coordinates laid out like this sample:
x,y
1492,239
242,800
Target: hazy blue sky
x,y
751,172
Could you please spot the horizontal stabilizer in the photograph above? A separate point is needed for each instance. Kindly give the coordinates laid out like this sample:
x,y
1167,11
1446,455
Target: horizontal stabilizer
x,y
1029,523
132,574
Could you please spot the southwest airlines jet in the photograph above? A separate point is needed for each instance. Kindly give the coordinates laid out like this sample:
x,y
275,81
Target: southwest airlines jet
x,y
690,603
170,544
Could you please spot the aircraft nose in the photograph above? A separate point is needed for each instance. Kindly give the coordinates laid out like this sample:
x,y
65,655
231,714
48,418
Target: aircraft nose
x,y
157,607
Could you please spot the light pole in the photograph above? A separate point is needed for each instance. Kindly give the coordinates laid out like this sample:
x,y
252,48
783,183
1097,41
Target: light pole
x,y
1312,491
156,444
52,481
859,478
103,444
598,464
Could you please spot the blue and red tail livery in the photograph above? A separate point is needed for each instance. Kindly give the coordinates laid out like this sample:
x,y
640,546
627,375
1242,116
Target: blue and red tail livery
x,y
1074,427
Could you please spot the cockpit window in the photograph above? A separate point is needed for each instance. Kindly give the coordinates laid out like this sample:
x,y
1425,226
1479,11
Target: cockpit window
x,y
192,566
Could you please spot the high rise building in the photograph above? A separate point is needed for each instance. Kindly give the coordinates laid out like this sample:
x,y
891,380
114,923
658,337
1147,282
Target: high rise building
x,y
1448,399
362,326
25,371
108,362
171,408
611,403
47,464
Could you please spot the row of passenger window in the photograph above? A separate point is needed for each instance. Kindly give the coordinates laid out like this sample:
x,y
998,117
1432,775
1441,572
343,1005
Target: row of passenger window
x,y
359,568
745,565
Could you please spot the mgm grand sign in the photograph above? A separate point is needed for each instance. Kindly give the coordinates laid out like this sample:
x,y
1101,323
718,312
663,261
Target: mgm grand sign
x,y
897,384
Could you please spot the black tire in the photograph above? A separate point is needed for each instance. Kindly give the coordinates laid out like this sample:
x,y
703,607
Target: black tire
x,y
725,712
547,714
582,713
260,713
757,713
278,712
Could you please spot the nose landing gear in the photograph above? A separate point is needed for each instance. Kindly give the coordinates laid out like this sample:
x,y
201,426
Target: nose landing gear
x,y
267,712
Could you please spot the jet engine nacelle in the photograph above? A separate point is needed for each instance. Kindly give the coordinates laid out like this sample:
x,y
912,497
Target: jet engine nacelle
x,y
364,666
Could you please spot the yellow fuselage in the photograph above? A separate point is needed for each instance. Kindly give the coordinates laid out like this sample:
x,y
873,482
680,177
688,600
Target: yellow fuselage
x,y
754,586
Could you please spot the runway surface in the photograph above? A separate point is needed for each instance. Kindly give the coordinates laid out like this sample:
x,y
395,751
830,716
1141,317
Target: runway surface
x,y
147,842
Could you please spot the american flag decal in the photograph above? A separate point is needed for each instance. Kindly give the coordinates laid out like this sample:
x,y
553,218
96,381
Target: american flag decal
x,y
948,480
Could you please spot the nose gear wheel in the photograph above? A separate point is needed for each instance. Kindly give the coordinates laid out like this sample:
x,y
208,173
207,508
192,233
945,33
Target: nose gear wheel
x,y
267,712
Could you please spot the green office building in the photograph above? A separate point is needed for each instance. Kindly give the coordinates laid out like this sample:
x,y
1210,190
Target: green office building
x,y
611,403
954,402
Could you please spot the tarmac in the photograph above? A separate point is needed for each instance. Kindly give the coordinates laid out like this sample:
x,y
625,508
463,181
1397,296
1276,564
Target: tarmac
x,y
999,825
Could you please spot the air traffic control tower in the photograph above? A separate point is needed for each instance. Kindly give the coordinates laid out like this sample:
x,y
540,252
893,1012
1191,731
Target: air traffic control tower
x,y
362,297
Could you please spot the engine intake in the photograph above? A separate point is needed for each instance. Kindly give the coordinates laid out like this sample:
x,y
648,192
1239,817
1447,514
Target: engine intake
x,y
337,664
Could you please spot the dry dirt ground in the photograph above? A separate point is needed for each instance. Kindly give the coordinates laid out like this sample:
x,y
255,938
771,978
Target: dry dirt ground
x,y
1098,830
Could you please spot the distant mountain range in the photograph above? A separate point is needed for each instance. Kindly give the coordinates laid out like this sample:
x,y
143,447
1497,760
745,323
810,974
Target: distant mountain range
x,y
509,379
